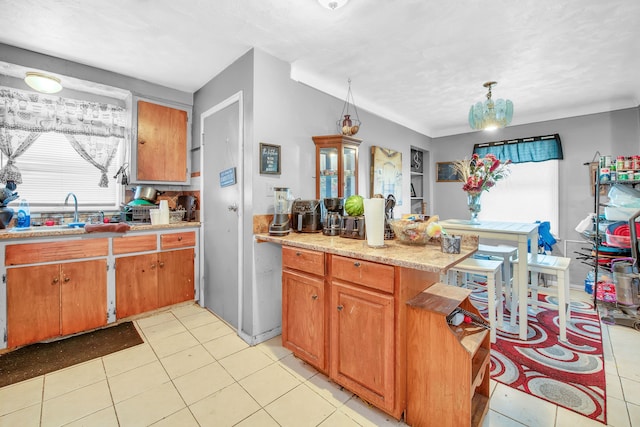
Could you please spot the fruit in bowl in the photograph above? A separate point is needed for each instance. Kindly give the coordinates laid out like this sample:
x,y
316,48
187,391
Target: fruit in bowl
x,y
416,232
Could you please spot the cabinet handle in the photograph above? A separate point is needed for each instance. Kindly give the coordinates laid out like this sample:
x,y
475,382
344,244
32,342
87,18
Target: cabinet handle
x,y
161,264
141,141
314,297
298,254
357,264
340,308
55,281
66,279
153,266
179,238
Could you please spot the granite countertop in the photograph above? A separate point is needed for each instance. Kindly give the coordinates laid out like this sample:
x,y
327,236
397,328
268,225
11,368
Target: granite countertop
x,y
45,231
427,258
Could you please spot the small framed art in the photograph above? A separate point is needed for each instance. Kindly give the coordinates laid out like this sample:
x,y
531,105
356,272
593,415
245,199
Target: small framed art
x,y
269,159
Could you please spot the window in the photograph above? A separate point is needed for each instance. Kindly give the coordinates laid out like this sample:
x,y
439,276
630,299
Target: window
x,y
529,194
52,146
51,169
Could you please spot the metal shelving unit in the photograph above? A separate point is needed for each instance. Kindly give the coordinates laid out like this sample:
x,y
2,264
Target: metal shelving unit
x,y
612,312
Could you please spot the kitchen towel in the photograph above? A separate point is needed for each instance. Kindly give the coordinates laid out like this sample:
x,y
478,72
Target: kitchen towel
x,y
374,221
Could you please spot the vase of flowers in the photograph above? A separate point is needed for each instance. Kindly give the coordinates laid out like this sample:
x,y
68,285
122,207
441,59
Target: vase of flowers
x,y
479,174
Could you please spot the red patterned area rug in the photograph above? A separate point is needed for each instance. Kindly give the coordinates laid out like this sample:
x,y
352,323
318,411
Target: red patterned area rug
x,y
568,374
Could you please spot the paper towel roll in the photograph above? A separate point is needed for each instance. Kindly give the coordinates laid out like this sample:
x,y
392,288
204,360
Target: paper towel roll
x,y
164,212
374,221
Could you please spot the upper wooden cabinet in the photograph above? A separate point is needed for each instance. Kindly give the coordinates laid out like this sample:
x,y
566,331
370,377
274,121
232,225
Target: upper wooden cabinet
x,y
336,166
162,144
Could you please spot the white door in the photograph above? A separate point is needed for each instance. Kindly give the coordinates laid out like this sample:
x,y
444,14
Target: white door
x,y
221,208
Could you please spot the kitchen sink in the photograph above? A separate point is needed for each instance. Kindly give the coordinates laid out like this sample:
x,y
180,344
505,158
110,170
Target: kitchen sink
x,y
45,228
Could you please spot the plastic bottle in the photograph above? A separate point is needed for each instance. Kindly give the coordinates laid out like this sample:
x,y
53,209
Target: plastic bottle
x,y
589,282
24,215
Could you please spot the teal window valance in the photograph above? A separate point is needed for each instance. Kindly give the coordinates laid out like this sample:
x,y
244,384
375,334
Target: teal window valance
x,y
523,150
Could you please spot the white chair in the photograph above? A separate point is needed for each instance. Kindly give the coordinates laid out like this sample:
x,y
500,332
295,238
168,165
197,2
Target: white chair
x,y
492,270
555,266
507,254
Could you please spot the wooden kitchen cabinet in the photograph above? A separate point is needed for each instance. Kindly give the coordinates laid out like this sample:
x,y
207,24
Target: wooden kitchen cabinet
x,y
46,301
336,166
136,284
163,142
175,277
303,305
362,339
448,366
346,317
149,281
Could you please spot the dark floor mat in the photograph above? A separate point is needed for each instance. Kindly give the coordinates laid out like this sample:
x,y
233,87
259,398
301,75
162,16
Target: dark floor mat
x,y
41,358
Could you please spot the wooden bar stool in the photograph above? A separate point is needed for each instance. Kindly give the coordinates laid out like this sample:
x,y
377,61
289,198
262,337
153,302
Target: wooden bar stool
x,y
555,266
492,270
507,254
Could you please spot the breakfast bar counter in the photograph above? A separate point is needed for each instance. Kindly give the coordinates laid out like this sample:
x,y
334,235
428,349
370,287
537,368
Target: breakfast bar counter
x,y
427,257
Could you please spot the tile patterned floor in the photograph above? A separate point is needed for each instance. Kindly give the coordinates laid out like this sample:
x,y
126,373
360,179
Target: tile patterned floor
x,y
193,370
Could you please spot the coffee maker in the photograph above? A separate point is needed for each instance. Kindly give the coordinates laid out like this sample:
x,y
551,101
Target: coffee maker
x,y
333,216
280,224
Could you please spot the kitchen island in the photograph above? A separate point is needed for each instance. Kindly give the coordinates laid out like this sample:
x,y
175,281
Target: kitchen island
x,y
344,307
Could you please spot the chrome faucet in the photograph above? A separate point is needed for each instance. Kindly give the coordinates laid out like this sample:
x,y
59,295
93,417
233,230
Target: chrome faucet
x,y
75,206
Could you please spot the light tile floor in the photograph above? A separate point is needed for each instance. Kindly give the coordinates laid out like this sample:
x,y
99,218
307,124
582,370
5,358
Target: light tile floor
x,y
193,370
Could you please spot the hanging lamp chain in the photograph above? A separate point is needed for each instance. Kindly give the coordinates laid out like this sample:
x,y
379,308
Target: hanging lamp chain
x,y
348,100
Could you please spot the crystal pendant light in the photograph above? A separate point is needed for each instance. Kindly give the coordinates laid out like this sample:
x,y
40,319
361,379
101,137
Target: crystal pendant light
x,y
348,124
490,114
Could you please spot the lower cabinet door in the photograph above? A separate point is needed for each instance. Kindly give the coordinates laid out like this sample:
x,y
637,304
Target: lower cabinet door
x,y
362,343
33,304
175,277
303,319
136,284
83,295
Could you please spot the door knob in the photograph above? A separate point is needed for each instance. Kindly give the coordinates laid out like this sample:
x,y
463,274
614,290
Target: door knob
x,y
233,207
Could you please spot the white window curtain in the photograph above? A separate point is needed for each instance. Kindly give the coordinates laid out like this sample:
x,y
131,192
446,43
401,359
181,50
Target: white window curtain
x,y
94,129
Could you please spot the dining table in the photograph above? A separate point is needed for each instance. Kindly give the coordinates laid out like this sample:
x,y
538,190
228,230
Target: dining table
x,y
520,232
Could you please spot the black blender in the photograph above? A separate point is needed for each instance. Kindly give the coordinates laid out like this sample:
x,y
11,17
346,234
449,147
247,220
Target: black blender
x,y
333,216
280,224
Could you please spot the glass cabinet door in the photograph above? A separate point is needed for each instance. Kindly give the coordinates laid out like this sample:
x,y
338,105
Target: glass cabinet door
x,y
336,166
328,172
350,171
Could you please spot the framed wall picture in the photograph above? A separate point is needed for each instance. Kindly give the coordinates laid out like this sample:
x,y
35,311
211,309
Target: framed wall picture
x,y
446,172
386,173
269,159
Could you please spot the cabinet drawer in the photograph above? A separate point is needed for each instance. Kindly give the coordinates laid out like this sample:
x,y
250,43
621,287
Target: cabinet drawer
x,y
303,260
33,253
365,273
129,244
178,240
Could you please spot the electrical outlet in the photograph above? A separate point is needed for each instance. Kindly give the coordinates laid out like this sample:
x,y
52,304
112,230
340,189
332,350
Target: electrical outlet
x,y
269,189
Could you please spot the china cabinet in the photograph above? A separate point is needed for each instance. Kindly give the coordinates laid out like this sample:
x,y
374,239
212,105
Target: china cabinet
x,y
336,166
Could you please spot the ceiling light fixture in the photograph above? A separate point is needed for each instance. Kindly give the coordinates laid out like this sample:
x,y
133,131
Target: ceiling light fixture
x,y
490,114
43,82
333,4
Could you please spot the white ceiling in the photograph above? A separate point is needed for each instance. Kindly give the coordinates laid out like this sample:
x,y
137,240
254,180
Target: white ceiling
x,y
420,63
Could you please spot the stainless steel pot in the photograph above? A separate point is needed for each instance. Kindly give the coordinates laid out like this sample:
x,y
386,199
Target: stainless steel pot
x,y
146,193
